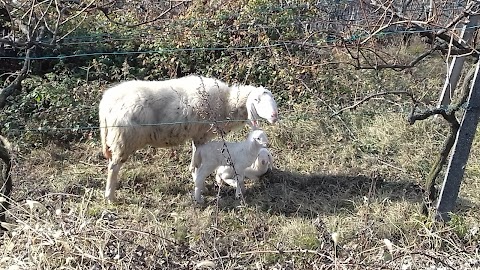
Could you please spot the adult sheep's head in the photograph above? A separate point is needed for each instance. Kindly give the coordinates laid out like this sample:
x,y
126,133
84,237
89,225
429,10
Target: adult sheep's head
x,y
261,104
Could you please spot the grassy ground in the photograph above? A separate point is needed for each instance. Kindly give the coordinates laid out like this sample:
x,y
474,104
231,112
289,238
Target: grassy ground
x,y
356,177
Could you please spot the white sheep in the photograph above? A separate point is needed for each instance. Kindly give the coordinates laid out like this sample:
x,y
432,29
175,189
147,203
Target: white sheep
x,y
168,113
214,154
259,167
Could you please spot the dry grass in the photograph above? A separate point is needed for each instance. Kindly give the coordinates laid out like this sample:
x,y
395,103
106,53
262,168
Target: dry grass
x,y
358,176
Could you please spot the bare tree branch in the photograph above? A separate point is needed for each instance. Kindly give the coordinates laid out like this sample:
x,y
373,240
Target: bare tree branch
x,y
449,115
367,98
80,12
418,25
22,45
10,89
396,67
447,111
104,11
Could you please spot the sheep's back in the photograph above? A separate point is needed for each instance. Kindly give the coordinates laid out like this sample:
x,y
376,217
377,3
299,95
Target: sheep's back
x,y
166,113
222,153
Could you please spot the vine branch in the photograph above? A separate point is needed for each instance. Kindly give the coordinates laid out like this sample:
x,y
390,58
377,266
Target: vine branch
x,y
367,98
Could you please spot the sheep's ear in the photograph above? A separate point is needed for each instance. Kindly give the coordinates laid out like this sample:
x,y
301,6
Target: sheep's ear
x,y
252,116
253,99
257,94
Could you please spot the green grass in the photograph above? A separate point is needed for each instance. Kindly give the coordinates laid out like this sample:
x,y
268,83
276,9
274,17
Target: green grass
x,y
359,175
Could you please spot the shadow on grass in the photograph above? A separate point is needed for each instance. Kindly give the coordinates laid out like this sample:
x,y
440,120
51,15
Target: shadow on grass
x,y
288,193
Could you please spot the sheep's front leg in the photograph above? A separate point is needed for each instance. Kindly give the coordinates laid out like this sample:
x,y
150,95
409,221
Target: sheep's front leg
x,y
112,180
240,189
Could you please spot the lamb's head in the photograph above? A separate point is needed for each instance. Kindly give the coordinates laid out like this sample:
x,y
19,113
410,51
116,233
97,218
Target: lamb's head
x,y
258,137
264,158
261,104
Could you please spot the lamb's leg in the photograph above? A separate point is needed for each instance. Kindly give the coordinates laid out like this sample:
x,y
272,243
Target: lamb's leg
x,y
251,174
230,182
226,175
218,178
112,179
240,190
192,167
199,178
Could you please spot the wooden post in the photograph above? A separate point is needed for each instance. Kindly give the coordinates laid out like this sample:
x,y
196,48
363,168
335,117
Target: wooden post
x,y
456,66
461,151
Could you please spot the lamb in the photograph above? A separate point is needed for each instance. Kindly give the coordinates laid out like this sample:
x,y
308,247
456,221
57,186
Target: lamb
x,y
260,166
214,154
134,114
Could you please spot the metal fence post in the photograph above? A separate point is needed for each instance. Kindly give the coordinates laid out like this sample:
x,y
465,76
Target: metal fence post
x,y
456,66
461,151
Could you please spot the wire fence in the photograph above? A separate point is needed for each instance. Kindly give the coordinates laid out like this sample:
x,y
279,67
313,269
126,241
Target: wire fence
x,y
285,115
345,16
353,20
326,44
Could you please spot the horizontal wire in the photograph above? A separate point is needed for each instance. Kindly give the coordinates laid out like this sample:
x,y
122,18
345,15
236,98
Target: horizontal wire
x,y
170,50
289,115
210,122
127,126
245,48
109,38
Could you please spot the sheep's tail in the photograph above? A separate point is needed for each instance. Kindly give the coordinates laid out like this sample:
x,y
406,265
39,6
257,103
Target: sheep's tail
x,y
7,177
103,135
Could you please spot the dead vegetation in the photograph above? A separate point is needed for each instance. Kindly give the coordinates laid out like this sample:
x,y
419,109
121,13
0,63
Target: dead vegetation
x,y
340,197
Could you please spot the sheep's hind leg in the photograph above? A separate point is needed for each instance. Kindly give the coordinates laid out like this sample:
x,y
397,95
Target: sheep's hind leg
x,y
112,180
192,166
199,179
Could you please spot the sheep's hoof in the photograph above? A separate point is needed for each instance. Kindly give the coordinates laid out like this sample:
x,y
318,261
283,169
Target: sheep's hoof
x,y
110,199
200,203
240,193
199,200
111,202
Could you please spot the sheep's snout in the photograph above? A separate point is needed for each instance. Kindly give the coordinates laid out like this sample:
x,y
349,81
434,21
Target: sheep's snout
x,y
273,118
263,142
